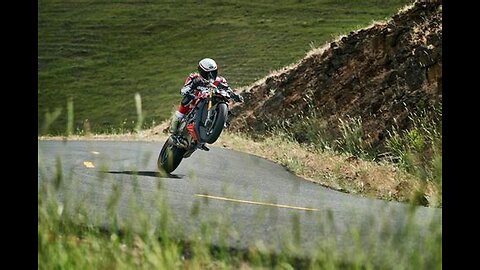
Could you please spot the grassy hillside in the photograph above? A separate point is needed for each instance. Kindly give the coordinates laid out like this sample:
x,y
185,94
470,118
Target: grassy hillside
x,y
100,53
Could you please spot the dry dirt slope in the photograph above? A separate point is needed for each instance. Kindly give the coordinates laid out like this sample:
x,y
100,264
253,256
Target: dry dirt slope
x,y
379,74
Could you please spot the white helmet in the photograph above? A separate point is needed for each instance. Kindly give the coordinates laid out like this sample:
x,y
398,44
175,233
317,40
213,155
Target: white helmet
x,y
207,68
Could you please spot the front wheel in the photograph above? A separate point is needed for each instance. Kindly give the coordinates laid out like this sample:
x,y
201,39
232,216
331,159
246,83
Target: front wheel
x,y
170,157
219,117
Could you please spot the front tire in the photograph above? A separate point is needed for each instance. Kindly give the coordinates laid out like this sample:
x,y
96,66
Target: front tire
x,y
219,119
170,157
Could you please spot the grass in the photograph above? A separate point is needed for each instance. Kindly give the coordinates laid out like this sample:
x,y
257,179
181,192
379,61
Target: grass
x,y
341,171
418,150
98,54
413,154
411,172
69,236
346,163
115,63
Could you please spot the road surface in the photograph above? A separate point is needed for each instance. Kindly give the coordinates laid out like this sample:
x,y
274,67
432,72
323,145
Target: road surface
x,y
261,202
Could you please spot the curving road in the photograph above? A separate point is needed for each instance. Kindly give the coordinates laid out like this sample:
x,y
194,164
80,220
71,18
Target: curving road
x,y
260,200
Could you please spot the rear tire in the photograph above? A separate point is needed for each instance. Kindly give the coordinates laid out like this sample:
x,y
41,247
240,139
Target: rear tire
x,y
170,157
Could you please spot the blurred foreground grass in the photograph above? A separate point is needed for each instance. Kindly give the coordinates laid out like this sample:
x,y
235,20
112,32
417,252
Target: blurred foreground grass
x,y
73,235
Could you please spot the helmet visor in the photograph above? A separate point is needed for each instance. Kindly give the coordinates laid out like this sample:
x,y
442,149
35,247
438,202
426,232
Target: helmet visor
x,y
207,75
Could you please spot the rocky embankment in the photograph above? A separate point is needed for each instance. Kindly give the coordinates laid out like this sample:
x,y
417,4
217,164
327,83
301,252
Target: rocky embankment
x,y
380,73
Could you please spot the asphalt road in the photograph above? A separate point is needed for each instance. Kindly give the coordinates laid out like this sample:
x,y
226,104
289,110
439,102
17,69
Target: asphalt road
x,y
259,200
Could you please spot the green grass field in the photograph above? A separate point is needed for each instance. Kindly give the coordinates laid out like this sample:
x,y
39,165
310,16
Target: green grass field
x,y
100,53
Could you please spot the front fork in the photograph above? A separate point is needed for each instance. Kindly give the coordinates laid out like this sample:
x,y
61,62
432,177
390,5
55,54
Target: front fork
x,y
208,122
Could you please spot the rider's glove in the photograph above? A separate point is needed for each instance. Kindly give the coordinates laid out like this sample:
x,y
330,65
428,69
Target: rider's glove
x,y
187,98
237,98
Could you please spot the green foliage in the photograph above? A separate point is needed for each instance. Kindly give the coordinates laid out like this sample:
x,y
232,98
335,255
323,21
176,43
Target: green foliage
x,y
419,149
352,140
50,117
311,129
140,113
100,53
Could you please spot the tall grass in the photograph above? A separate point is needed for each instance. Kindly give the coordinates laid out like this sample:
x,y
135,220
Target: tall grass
x,y
77,231
416,150
419,149
140,113
311,129
352,140
81,225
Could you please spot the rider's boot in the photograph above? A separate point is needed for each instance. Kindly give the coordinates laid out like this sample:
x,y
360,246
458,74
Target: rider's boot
x,y
175,120
204,147
174,125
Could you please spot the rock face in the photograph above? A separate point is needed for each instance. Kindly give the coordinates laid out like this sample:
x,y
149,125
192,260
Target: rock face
x,y
379,74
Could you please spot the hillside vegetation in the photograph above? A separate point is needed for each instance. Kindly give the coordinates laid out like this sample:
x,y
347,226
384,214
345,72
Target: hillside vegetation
x,y
381,75
375,94
98,54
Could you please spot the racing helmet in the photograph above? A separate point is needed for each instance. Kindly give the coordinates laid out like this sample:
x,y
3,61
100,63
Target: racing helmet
x,y
207,68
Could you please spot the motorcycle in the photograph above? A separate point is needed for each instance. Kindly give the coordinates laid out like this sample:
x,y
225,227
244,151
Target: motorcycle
x,y
203,124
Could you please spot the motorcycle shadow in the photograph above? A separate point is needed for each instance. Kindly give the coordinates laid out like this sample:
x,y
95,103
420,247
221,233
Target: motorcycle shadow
x,y
149,173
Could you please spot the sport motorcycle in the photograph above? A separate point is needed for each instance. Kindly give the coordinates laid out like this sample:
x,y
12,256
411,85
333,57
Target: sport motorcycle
x,y
203,124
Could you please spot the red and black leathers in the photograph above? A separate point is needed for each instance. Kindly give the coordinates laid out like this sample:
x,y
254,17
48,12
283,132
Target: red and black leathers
x,y
193,85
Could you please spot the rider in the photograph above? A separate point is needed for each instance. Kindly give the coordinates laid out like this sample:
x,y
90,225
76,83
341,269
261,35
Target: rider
x,y
195,82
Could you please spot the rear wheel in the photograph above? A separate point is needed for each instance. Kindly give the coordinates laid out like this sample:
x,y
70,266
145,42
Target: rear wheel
x,y
170,157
